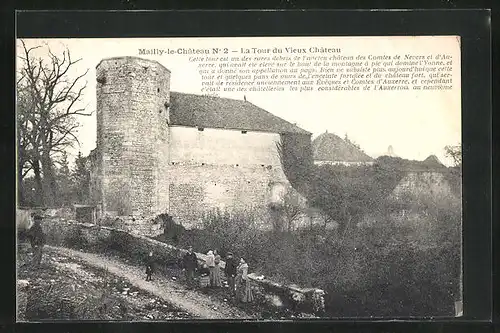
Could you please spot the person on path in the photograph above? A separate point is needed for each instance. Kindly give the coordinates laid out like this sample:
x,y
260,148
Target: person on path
x,y
37,240
211,267
149,266
190,265
243,288
230,272
217,281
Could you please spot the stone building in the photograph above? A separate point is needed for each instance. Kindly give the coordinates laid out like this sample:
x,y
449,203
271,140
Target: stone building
x,y
329,148
161,151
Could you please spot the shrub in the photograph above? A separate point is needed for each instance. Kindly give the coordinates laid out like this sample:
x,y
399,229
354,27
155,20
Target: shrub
x,y
377,270
76,239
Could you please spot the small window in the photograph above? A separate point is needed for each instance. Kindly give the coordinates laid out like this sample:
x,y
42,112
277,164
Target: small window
x,y
201,129
158,90
237,165
243,132
202,163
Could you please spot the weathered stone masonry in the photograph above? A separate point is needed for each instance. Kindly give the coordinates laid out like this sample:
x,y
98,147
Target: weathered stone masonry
x,y
132,95
153,157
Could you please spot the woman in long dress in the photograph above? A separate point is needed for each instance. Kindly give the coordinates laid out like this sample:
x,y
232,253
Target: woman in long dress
x,y
243,288
210,261
217,280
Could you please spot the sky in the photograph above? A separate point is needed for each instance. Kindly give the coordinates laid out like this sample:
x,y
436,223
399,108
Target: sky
x,y
415,124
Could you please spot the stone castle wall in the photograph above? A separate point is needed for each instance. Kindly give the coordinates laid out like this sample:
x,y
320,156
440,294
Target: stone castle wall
x,y
197,189
143,166
218,168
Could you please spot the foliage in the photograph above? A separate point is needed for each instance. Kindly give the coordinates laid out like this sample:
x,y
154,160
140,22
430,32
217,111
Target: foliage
x,y
81,179
171,230
48,97
376,269
296,156
285,212
72,184
64,183
344,194
455,153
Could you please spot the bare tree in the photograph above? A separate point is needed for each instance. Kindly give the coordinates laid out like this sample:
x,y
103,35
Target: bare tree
x,y
286,212
455,153
27,142
291,208
48,100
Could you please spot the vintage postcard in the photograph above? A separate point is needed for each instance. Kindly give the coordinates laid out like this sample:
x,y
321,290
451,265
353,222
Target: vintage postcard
x,y
239,178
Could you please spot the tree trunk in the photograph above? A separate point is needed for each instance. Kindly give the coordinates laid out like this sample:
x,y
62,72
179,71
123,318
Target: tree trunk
x,y
47,169
40,195
48,181
20,187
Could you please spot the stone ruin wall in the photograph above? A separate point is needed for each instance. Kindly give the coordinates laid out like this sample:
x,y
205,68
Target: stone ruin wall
x,y
429,184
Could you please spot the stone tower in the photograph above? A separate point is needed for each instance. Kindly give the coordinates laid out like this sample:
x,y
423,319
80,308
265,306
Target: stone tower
x,y
133,98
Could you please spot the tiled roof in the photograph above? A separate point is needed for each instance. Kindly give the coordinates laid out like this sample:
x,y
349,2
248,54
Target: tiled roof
x,y
215,112
330,147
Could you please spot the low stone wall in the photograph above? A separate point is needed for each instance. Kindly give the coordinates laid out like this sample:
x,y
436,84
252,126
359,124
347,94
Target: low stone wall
x,y
139,225
307,300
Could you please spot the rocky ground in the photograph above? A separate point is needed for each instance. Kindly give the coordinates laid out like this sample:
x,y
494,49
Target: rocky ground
x,y
264,307
75,285
67,287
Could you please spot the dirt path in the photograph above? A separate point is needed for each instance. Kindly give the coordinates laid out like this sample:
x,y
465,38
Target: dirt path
x,y
193,302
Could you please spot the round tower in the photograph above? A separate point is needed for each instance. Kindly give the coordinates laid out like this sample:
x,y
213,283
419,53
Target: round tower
x,y
133,95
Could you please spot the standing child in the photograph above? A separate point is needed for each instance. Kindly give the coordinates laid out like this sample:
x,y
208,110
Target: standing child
x,y
149,266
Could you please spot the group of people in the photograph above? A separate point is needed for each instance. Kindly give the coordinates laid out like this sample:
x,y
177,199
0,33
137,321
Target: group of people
x,y
236,273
